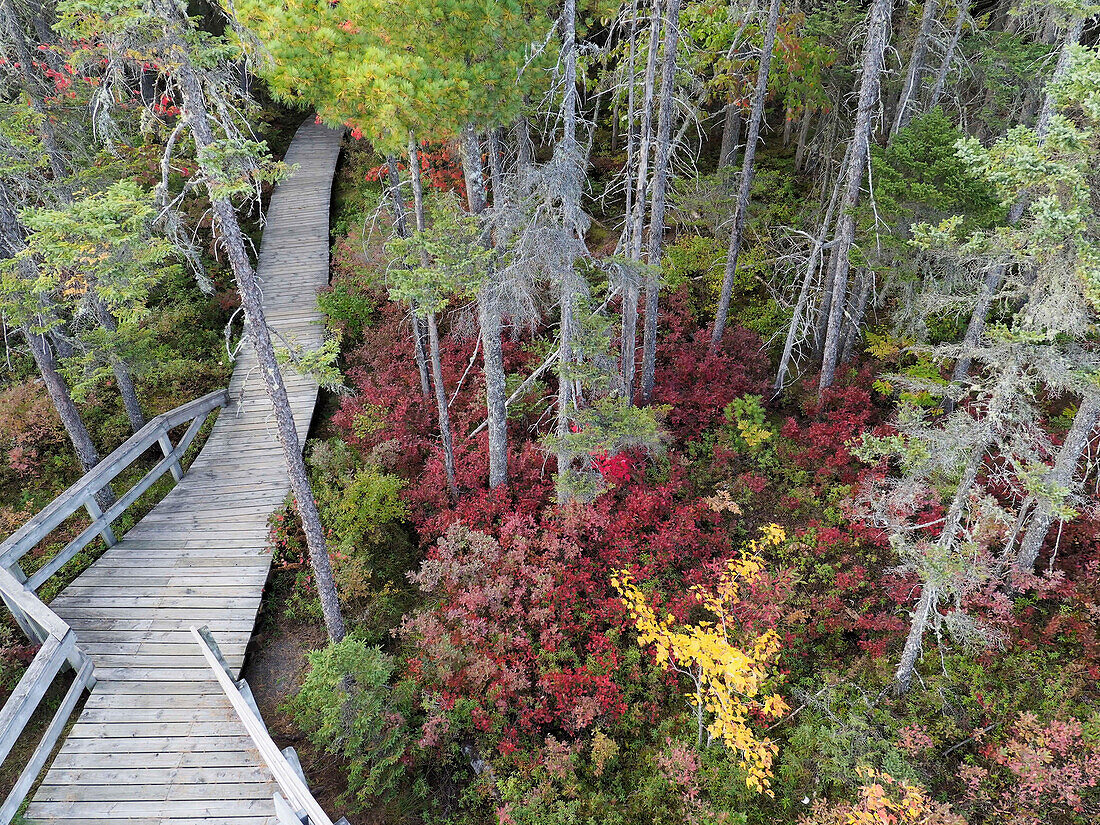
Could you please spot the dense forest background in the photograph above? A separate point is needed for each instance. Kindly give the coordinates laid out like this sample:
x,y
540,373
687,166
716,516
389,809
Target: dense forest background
x,y
713,387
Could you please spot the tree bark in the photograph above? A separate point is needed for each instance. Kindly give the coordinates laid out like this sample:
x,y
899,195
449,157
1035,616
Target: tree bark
x,y
571,149
910,90
441,405
490,321
121,369
645,145
67,410
748,169
659,195
875,44
731,136
857,309
401,226
803,135
1061,476
232,240
903,678
807,281
949,53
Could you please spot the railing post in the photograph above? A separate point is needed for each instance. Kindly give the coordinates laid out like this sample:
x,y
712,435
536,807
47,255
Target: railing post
x,y
29,628
93,510
166,448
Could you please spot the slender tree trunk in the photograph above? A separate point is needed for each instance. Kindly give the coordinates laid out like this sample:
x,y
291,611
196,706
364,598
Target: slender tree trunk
x,y
232,240
903,678
875,44
748,169
807,281
570,147
441,405
803,136
490,322
401,226
731,136
1060,477
659,195
857,309
628,334
910,90
123,376
952,49
67,410
788,126
645,146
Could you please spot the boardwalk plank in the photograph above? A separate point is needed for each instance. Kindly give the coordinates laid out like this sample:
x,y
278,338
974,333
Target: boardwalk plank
x,y
157,741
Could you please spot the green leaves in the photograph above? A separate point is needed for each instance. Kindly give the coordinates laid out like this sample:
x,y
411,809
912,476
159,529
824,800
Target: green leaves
x,y
444,261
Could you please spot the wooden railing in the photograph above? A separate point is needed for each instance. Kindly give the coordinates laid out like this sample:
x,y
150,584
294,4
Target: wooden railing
x,y
294,804
42,625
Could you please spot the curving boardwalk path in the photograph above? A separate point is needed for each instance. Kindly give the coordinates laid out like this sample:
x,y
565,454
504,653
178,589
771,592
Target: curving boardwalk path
x,y
157,741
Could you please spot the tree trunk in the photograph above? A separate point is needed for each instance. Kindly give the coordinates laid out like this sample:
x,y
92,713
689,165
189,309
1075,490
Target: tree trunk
x,y
441,405
67,410
570,210
740,215
659,195
490,322
232,240
903,678
949,53
875,44
807,281
856,311
123,376
401,226
645,145
1060,477
910,90
731,136
788,125
803,135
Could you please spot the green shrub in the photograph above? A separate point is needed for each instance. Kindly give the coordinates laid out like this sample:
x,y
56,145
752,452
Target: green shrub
x,y
347,708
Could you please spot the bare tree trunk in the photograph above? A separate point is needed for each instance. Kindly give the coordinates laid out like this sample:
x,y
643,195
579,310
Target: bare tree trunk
x,y
441,405
490,322
67,410
658,196
803,135
949,53
1060,478
120,368
569,287
748,169
856,311
788,125
232,240
807,281
731,136
628,334
401,225
877,32
910,90
903,678
645,145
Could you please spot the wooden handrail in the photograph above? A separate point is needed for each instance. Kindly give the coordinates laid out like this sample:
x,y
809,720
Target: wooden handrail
x,y
292,785
83,492
42,625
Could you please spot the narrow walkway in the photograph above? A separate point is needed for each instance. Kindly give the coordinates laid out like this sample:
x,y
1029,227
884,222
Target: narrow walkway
x,y
157,741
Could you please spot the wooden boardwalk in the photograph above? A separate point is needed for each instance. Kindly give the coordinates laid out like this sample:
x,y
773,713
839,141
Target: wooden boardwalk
x,y
157,741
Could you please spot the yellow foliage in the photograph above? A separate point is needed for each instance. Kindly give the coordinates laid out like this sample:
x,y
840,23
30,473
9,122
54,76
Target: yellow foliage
x,y
729,678
883,800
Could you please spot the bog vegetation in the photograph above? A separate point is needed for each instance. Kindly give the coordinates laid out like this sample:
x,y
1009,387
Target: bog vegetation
x,y
716,388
